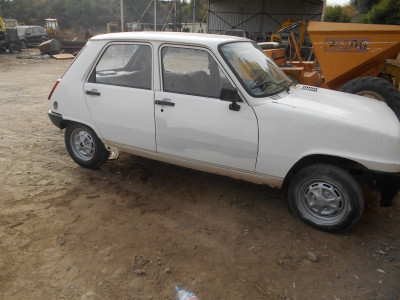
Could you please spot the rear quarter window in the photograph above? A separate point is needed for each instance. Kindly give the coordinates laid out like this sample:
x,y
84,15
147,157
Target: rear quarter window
x,y
128,65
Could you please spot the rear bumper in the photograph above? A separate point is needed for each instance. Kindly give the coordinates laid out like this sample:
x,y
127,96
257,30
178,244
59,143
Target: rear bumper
x,y
56,119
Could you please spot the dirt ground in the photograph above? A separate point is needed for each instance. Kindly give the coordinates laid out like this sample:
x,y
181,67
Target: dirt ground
x,y
136,228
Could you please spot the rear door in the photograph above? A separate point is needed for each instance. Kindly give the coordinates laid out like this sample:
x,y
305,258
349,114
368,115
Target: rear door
x,y
120,97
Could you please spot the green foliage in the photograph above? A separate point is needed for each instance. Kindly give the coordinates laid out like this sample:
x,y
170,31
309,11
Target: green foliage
x,y
363,6
384,12
336,14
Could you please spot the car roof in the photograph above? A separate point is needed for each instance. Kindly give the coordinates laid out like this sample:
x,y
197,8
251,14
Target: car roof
x,y
172,37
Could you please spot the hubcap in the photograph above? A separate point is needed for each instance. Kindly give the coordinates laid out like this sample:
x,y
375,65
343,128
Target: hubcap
x,y
82,144
322,201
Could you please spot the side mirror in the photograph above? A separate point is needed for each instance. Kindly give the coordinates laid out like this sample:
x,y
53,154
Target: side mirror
x,y
28,34
230,94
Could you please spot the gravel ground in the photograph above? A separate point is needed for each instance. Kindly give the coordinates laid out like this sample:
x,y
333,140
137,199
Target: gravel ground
x,y
136,228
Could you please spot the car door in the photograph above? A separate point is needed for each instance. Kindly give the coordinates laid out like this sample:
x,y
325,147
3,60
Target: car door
x,y
36,36
120,98
192,122
29,36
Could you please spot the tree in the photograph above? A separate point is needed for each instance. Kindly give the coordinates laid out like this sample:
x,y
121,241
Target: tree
x,y
336,14
384,12
363,6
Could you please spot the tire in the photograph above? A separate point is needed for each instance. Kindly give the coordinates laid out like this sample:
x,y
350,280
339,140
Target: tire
x,y
12,48
23,44
376,88
316,186
84,146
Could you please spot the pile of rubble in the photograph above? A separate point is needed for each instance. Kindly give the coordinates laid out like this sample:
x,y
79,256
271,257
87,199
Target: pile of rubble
x,y
61,49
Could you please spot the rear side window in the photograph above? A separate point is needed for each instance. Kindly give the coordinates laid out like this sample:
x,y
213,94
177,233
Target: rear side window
x,y
127,65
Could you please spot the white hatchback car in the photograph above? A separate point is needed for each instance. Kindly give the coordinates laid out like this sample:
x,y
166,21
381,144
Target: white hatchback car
x,y
218,104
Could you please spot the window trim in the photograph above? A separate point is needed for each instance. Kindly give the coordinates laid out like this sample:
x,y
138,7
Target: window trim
x,y
161,68
92,72
238,76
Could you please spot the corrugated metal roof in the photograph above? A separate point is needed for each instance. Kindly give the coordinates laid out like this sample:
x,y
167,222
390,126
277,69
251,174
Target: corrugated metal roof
x,y
259,17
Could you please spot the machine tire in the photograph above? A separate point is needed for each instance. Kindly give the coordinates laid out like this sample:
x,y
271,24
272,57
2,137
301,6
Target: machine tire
x,y
84,147
376,88
12,48
326,197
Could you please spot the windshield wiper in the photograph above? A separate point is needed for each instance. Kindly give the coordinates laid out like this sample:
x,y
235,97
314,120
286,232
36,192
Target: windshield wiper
x,y
280,83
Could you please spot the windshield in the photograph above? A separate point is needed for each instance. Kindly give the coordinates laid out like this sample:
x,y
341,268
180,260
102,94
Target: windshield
x,y
256,72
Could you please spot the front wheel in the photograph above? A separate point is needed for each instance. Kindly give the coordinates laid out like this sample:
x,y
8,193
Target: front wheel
x,y
326,197
84,146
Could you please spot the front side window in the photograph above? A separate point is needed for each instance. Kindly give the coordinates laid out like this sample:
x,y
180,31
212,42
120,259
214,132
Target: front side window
x,y
257,73
192,72
126,65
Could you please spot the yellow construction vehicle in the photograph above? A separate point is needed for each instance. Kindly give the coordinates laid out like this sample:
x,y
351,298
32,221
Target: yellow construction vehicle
x,y
2,25
277,38
112,27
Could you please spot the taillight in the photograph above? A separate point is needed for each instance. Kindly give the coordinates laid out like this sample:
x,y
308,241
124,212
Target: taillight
x,y
54,87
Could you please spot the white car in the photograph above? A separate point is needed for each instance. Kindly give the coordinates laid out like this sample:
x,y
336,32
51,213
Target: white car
x,y
218,104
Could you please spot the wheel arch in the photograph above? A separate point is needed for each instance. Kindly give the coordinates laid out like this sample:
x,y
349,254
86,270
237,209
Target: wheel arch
x,y
65,122
353,167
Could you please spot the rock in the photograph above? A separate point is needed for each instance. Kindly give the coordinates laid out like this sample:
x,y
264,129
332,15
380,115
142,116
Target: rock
x,y
389,258
337,275
167,270
50,47
140,272
119,274
89,296
312,256
137,283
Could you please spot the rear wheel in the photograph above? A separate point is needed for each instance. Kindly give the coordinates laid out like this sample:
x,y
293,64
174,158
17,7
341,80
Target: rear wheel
x,y
326,197
84,146
375,88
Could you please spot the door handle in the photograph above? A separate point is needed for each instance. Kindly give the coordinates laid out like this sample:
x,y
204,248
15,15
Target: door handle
x,y
93,93
163,102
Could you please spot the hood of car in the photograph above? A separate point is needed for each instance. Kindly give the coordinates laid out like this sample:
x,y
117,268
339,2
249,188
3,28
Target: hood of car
x,y
349,108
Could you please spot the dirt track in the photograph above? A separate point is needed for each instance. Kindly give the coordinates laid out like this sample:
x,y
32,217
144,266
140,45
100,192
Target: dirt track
x,y
136,228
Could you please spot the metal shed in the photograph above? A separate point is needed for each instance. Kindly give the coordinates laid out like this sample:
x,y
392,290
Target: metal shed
x,y
259,17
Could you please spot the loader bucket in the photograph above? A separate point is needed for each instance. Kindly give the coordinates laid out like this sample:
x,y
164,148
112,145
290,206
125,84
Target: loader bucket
x,y
346,51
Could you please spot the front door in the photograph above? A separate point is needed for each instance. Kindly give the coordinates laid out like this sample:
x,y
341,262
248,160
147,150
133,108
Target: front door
x,y
120,97
192,122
